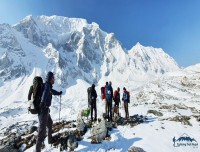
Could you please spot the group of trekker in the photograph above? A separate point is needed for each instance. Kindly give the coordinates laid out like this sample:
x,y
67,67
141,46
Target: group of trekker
x,y
108,97
40,95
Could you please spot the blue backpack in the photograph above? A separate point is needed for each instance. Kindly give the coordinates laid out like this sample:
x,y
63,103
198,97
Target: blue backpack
x,y
108,92
126,96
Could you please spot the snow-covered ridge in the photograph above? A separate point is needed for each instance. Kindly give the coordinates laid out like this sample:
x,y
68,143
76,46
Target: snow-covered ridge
x,y
153,59
83,50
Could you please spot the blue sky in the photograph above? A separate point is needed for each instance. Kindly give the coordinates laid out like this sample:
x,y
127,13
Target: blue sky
x,y
173,25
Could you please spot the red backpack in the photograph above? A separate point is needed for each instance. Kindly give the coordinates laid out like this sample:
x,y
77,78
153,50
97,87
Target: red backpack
x,y
103,93
116,95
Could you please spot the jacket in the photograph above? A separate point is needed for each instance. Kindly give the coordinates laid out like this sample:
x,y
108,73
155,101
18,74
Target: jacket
x,y
48,91
109,96
47,94
92,96
126,96
116,96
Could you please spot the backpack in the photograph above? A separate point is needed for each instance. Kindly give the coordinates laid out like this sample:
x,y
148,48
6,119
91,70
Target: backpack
x,y
128,93
37,95
116,96
89,91
126,96
102,92
108,92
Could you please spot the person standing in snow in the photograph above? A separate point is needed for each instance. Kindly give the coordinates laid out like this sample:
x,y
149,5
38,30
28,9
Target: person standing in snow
x,y
126,99
116,99
44,115
103,97
92,97
109,97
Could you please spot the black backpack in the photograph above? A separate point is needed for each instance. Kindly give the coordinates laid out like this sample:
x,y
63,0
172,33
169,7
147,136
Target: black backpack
x,y
37,90
89,91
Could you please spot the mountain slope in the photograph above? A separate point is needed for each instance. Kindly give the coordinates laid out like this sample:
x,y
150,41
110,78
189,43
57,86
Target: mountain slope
x,y
152,59
72,45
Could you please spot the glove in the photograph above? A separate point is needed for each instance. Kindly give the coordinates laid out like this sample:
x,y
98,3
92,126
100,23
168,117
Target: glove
x,y
60,92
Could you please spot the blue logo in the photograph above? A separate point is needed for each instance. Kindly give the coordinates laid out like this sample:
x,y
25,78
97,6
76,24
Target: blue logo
x,y
185,141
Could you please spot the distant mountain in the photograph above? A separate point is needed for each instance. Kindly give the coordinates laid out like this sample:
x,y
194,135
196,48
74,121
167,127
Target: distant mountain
x,y
73,49
151,59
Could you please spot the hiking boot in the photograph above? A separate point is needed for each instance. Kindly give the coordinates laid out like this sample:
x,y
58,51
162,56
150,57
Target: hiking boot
x,y
52,140
43,145
39,146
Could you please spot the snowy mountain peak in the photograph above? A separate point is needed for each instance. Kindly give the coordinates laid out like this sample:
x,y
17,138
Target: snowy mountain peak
x,y
95,25
138,45
75,49
152,59
63,23
28,18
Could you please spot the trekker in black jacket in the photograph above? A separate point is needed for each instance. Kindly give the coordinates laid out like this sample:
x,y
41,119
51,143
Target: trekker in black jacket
x,y
44,115
92,101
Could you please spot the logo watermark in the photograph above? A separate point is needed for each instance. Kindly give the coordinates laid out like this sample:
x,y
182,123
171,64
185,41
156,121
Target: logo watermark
x,y
185,141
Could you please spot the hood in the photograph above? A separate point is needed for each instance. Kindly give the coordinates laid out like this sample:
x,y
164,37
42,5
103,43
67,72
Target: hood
x,y
49,76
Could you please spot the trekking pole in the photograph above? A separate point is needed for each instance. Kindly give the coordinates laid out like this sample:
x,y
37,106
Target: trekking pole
x,y
60,108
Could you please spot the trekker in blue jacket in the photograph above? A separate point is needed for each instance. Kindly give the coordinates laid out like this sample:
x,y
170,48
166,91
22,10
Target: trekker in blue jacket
x,y
126,99
44,115
109,97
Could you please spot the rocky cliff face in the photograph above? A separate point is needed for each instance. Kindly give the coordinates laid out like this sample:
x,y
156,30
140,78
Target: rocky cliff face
x,y
73,49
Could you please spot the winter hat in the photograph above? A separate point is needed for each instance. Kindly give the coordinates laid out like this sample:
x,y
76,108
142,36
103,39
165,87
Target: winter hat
x,y
49,76
93,85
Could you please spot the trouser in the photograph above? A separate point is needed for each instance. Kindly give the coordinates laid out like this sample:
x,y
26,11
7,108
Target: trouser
x,y
44,121
105,102
126,109
94,108
109,108
116,106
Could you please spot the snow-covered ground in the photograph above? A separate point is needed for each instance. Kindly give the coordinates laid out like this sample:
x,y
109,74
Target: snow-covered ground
x,y
174,94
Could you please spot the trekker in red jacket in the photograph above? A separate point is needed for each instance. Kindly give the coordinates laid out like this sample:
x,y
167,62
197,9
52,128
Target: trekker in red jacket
x,y
116,99
103,96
